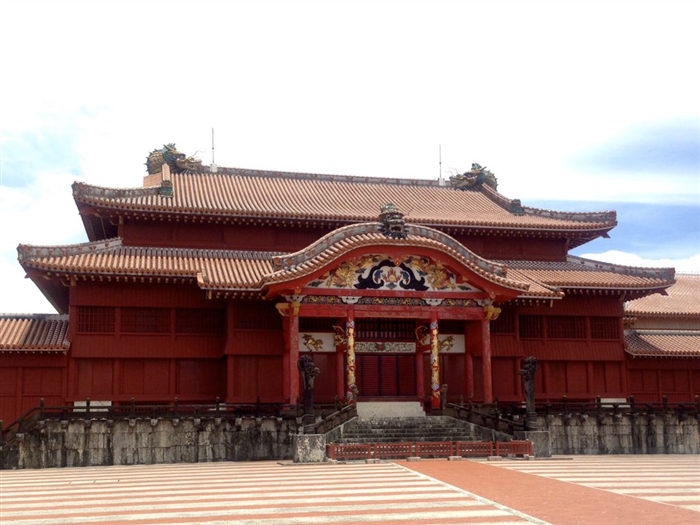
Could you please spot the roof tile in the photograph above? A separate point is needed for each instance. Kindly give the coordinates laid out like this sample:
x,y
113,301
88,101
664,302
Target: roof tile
x,y
682,300
659,343
33,332
251,193
249,270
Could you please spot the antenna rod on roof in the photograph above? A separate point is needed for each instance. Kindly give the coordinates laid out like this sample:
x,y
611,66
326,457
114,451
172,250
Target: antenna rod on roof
x,y
440,181
213,164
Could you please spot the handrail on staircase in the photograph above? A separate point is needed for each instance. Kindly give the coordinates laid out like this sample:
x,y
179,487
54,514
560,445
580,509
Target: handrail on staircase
x,y
331,421
489,416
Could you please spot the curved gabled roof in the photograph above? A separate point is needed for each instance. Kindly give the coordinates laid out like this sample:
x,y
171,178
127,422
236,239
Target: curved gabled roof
x,y
33,333
365,235
253,194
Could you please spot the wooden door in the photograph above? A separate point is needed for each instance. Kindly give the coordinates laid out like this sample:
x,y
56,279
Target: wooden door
x,y
386,375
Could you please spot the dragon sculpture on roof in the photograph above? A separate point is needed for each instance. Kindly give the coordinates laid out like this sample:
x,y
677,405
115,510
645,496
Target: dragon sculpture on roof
x,y
178,162
474,178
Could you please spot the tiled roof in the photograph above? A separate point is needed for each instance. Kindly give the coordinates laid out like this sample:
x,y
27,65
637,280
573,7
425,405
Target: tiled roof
x,y
578,273
308,197
682,300
663,343
248,270
33,332
227,268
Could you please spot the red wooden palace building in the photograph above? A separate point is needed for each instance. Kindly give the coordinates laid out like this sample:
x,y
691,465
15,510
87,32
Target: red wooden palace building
x,y
211,283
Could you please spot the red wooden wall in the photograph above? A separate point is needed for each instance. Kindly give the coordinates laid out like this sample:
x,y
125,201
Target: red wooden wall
x,y
254,349
272,238
26,378
650,379
156,342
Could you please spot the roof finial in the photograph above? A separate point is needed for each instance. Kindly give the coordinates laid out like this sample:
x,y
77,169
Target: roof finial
x,y
393,223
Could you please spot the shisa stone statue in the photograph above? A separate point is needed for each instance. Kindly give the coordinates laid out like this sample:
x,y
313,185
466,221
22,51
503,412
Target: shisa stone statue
x,y
528,373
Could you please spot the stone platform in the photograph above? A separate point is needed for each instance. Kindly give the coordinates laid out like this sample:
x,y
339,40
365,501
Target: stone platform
x,y
382,409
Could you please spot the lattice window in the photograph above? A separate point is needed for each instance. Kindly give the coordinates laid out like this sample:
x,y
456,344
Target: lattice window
x,y
145,320
318,324
505,324
96,319
200,321
450,326
531,327
385,329
566,327
257,316
605,328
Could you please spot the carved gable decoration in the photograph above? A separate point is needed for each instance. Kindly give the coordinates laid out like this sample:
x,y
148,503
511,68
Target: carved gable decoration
x,y
382,272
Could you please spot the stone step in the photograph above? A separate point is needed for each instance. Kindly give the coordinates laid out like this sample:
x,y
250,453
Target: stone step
x,y
406,434
348,441
406,429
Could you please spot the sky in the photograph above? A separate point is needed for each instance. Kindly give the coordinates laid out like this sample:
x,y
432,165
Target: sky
x,y
574,106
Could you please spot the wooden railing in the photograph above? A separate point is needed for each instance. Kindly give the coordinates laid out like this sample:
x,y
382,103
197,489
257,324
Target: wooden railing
x,y
509,418
603,409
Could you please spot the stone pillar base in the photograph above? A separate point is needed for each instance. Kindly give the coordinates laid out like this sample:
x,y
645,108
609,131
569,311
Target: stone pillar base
x,y
541,447
309,448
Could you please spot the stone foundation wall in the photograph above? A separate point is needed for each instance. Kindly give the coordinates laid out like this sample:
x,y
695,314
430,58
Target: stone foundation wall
x,y
622,434
145,441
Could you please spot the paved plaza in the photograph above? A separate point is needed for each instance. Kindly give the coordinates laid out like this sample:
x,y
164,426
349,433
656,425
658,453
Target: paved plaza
x,y
618,490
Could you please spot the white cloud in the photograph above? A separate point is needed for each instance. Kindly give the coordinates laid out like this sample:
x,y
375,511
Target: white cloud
x,y
360,89
42,214
684,265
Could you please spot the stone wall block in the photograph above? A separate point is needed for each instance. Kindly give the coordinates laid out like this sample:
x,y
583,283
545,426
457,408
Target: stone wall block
x,y
623,435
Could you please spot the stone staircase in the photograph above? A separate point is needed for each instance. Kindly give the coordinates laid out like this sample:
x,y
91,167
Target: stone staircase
x,y
407,429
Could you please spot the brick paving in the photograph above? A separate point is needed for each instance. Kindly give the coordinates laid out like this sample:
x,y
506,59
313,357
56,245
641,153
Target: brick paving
x,y
240,494
674,480
584,490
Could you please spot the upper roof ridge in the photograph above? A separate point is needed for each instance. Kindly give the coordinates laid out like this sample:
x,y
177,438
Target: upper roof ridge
x,y
28,251
588,216
85,188
245,172
39,317
663,273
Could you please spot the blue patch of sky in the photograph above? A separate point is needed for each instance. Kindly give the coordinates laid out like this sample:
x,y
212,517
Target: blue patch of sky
x,y
51,147
652,231
669,147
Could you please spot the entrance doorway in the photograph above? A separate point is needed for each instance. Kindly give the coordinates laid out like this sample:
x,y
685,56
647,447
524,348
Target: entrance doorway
x,y
386,375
